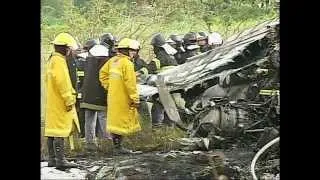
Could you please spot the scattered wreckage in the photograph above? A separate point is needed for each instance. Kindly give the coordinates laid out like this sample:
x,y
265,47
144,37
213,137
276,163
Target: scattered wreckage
x,y
230,93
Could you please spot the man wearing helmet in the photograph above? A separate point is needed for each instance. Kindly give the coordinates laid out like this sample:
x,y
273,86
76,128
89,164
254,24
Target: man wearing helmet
x,y
203,42
118,78
163,51
61,117
76,64
165,59
140,65
190,45
176,42
94,101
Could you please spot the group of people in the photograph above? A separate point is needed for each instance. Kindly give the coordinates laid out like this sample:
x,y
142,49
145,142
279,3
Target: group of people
x,y
93,89
175,51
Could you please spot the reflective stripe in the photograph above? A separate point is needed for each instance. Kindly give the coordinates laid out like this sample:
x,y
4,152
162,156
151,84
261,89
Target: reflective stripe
x,y
165,68
79,96
144,70
114,75
92,106
157,61
80,73
269,92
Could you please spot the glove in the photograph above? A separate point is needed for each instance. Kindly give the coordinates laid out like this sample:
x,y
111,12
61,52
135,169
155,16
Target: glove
x,y
138,74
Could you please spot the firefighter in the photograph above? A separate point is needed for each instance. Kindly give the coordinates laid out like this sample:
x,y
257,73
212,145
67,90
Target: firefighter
x,y
72,62
190,45
89,44
176,42
94,101
61,117
80,64
163,51
140,65
118,78
164,60
203,42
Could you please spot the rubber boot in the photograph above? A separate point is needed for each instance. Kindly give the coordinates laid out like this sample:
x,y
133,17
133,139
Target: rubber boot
x,y
118,149
52,160
61,162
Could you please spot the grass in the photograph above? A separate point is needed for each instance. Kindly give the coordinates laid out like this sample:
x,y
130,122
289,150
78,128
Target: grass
x,y
160,139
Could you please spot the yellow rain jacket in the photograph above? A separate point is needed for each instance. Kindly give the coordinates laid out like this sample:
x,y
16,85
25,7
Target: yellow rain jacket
x,y
60,94
118,77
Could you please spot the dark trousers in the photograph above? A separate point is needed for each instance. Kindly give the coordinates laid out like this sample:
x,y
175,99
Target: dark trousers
x,y
81,117
158,115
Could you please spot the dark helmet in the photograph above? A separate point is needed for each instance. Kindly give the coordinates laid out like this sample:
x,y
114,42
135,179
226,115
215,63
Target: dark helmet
x,y
203,35
107,38
158,40
176,38
190,38
171,42
89,44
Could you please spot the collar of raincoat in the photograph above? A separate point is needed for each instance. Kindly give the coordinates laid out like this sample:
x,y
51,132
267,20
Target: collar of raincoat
x,y
123,55
58,54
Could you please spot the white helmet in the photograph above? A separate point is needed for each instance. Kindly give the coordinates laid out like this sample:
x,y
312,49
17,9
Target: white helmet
x,y
215,39
99,50
135,45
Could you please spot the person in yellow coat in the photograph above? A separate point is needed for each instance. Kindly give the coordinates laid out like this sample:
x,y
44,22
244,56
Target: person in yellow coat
x,y
61,116
118,78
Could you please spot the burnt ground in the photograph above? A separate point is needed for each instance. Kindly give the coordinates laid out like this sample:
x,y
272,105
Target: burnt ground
x,y
233,163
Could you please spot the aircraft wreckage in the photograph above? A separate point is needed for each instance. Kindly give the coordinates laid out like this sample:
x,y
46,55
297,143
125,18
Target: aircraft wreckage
x,y
229,91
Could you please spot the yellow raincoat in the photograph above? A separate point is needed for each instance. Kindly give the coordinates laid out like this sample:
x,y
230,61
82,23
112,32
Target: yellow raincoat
x,y
118,77
60,94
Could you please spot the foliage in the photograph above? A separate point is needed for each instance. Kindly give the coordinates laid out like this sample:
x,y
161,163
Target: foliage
x,y
141,18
